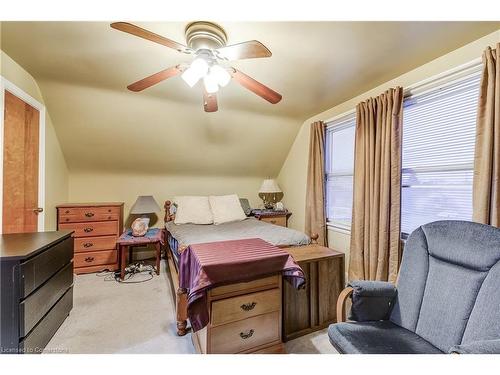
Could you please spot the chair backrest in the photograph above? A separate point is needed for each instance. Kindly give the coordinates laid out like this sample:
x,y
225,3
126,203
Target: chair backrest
x,y
449,283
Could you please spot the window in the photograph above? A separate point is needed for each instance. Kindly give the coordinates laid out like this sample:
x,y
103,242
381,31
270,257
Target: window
x,y
339,166
438,153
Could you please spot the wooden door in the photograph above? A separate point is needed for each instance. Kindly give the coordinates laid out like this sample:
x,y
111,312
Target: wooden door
x,y
20,166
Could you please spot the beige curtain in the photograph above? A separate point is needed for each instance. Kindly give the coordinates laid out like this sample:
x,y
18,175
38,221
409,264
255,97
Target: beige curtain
x,y
486,186
375,231
315,194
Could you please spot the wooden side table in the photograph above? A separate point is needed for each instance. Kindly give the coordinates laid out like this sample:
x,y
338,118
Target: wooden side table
x,y
273,217
127,242
313,308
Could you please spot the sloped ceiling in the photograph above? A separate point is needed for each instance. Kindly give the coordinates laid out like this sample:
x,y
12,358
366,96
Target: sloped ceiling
x,y
83,69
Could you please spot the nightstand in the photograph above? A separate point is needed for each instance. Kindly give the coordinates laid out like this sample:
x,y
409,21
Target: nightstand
x,y
273,217
127,241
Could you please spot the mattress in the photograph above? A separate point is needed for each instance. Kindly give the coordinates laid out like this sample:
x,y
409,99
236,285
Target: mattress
x,y
187,234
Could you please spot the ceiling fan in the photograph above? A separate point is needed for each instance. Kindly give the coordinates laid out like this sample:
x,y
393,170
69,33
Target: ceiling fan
x,y
206,41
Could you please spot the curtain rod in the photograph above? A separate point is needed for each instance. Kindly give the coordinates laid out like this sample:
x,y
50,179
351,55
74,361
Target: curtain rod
x,y
426,84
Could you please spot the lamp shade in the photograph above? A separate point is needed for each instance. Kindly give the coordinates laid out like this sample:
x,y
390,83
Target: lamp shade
x,y
145,204
269,186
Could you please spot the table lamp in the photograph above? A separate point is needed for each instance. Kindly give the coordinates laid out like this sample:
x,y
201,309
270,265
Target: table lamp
x,y
145,204
270,193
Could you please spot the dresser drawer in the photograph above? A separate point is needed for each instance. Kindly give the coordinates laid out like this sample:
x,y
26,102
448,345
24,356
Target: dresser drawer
x,y
40,268
264,283
245,306
36,305
40,336
86,244
97,228
96,258
245,334
276,220
78,214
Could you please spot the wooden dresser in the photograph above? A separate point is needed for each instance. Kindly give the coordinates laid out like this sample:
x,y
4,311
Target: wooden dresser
x,y
244,318
313,308
36,288
96,228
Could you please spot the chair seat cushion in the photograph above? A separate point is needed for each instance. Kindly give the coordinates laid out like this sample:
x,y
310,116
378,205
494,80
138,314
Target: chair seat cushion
x,y
380,337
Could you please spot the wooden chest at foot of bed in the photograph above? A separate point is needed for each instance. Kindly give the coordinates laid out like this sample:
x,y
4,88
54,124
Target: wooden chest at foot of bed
x,y
96,228
244,318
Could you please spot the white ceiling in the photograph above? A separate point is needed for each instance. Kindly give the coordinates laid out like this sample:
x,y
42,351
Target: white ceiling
x,y
83,69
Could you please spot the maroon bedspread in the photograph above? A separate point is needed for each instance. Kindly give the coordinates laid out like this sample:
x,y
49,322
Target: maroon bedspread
x,y
207,265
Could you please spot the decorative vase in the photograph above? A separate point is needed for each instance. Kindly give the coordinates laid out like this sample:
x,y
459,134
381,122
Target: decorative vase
x,y
140,227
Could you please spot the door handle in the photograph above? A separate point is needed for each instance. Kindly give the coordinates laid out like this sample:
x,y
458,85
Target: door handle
x,y
38,210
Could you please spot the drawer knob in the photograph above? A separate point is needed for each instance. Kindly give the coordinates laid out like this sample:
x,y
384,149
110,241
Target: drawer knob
x,y
246,335
89,214
89,259
273,221
88,230
88,244
66,212
67,219
248,306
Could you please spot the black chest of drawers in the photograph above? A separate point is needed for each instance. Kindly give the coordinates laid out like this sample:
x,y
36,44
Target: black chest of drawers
x,y
36,292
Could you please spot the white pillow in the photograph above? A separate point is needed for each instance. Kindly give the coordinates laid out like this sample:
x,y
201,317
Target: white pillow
x,y
193,209
226,208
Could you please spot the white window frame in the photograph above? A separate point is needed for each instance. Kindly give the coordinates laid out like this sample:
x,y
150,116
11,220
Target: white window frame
x,y
465,74
6,85
463,71
338,123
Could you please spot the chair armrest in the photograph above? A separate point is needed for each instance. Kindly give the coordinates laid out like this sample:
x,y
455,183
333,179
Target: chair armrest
x,y
477,347
341,304
371,300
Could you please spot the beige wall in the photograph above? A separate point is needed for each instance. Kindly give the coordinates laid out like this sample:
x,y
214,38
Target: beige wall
x,y
125,187
292,177
56,172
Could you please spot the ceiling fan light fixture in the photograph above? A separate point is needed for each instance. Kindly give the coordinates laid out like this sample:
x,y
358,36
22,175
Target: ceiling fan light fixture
x,y
197,70
221,76
211,85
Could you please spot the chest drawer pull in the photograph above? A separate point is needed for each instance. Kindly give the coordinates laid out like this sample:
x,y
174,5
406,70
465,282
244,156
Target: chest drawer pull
x,y
89,214
248,306
247,335
88,244
88,230
273,221
89,259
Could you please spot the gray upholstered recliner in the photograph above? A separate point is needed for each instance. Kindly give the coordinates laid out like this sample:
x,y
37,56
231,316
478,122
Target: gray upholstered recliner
x,y
447,298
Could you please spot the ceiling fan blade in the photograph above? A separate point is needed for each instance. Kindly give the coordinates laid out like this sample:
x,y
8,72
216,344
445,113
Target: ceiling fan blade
x,y
210,102
256,87
156,78
148,35
246,50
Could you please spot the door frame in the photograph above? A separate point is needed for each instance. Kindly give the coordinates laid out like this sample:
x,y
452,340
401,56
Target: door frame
x,y
6,85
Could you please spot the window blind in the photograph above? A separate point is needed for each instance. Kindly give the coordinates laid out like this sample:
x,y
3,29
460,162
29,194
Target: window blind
x,y
339,168
438,153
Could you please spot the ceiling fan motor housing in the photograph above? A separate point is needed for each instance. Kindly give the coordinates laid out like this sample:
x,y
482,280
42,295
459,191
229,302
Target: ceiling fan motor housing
x,y
205,35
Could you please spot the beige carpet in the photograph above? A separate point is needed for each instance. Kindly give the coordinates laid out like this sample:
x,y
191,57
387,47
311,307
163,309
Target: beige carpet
x,y
109,317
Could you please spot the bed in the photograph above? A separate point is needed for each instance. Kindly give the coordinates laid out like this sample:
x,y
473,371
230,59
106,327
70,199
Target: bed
x,y
179,237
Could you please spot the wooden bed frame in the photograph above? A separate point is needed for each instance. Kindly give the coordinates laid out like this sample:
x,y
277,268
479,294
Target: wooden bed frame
x,y
181,293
